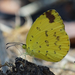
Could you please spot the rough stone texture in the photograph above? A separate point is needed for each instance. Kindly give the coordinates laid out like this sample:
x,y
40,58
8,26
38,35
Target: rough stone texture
x,y
23,67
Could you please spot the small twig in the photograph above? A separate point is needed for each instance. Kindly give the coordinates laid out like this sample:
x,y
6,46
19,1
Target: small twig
x,y
7,64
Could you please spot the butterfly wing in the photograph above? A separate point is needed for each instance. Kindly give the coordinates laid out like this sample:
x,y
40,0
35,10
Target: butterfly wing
x,y
47,38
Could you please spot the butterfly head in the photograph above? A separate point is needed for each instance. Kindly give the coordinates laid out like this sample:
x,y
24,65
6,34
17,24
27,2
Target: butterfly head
x,y
24,46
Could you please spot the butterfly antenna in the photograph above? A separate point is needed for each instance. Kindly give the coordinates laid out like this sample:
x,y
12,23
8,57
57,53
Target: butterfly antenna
x,y
9,46
10,43
16,43
13,44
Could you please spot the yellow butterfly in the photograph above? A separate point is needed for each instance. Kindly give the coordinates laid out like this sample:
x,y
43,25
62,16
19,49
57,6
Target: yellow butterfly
x,y
47,38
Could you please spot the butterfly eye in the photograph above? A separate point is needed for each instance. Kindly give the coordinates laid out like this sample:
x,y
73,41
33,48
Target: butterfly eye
x,y
24,46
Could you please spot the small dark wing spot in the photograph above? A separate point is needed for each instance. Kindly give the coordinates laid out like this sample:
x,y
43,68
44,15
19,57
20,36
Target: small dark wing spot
x,y
55,43
48,58
47,45
50,16
67,51
66,33
54,34
32,36
58,38
54,52
30,40
46,41
60,29
40,46
46,54
51,28
28,47
37,42
46,33
39,51
38,28
59,47
46,51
